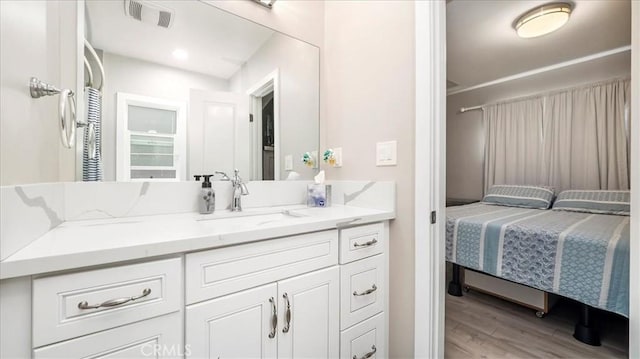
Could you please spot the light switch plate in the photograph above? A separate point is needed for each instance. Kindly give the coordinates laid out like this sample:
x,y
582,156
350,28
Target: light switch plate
x,y
387,153
288,163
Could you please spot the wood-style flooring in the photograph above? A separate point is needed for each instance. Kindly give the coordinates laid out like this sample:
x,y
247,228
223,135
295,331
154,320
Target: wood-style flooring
x,y
481,326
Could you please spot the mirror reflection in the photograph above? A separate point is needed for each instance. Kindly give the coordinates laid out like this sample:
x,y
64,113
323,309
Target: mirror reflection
x,y
189,89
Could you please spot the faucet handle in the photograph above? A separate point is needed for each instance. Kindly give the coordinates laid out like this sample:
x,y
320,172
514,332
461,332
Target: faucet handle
x,y
224,176
243,189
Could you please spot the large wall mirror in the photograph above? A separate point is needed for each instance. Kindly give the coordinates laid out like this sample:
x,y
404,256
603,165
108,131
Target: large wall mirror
x,y
190,89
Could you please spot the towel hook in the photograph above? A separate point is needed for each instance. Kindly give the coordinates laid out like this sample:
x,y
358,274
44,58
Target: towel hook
x,y
68,124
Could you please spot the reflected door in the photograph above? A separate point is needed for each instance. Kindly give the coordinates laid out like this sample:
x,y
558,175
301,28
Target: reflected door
x,y
218,132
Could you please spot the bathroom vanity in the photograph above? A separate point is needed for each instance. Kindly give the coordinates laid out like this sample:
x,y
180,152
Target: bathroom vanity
x,y
283,281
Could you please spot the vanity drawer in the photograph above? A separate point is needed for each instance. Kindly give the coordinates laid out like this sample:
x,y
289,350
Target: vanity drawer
x,y
222,271
364,338
56,300
362,290
145,339
361,242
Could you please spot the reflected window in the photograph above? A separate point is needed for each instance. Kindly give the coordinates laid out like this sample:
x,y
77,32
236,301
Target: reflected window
x,y
151,139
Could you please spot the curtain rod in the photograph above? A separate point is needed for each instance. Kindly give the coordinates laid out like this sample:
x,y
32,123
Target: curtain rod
x,y
540,94
465,109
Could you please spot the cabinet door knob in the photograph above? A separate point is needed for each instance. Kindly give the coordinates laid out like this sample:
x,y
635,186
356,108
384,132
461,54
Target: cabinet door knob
x,y
114,302
287,314
274,318
369,354
366,292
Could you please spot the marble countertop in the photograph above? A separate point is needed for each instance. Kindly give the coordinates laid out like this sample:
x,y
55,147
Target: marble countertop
x,y
76,244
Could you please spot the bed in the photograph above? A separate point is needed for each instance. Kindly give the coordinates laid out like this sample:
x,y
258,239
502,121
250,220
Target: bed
x,y
582,256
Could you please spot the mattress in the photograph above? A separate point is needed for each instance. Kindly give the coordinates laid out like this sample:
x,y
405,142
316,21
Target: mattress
x,y
581,256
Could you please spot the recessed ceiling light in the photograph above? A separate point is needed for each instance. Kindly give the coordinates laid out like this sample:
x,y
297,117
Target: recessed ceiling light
x,y
543,20
265,3
180,54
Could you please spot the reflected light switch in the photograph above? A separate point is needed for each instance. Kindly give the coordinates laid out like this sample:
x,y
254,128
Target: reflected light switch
x,y
288,163
386,153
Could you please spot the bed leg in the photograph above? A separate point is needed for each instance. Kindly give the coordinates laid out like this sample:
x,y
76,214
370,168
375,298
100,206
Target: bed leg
x,y
455,288
585,331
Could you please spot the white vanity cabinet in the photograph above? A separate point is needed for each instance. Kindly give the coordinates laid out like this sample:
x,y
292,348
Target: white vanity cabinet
x,y
363,292
314,295
293,313
126,311
293,318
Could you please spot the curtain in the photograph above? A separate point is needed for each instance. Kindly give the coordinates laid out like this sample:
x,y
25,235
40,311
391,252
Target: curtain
x,y
585,137
513,152
572,139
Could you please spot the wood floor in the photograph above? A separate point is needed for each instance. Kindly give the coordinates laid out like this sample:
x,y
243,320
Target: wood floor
x,y
481,326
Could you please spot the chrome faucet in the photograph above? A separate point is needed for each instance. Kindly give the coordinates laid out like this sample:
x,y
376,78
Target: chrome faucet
x,y
239,189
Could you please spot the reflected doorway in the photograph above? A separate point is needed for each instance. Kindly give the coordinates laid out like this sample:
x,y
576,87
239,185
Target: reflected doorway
x,y
268,143
265,123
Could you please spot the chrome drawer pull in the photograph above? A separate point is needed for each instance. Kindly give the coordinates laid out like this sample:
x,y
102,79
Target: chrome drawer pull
x,y
274,318
114,302
366,292
287,315
366,244
369,354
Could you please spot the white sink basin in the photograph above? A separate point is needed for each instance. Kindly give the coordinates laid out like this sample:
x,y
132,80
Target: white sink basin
x,y
249,219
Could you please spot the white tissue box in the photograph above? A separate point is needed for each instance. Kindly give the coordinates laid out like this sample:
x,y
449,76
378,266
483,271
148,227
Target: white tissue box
x,y
319,195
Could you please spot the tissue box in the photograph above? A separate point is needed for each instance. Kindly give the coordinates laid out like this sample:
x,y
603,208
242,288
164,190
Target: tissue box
x,y
319,195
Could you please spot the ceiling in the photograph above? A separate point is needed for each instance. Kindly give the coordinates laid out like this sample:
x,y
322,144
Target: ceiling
x,y
482,44
218,43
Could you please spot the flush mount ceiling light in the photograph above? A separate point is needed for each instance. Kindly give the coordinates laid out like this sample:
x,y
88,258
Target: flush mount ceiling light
x,y
543,20
265,3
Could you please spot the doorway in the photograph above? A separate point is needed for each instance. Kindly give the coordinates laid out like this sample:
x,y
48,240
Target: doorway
x,y
265,124
268,142
430,163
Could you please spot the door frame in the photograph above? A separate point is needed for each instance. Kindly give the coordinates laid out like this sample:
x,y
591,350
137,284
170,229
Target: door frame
x,y
271,82
430,142
430,151
634,273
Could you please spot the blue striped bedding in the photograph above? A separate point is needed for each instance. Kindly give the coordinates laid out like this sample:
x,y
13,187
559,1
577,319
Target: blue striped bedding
x,y
583,256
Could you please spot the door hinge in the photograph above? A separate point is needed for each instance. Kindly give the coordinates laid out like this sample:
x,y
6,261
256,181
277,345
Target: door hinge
x,y
250,117
433,217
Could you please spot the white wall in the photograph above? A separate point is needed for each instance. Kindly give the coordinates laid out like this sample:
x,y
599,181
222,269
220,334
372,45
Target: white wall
x,y
369,90
125,74
465,133
31,45
299,75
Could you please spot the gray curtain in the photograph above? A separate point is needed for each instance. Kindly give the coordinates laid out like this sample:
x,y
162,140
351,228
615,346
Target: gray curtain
x,y
513,142
571,139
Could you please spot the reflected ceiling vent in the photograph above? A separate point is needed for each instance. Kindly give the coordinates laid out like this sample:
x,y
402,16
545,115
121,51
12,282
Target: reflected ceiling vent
x,y
149,12
451,84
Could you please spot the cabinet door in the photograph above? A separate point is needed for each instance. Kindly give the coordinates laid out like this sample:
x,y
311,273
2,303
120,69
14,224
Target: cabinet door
x,y
234,326
312,328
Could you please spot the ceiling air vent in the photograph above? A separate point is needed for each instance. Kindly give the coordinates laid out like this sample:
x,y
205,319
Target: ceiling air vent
x,y
149,12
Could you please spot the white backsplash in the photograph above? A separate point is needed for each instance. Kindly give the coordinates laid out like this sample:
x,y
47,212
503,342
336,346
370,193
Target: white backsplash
x,y
29,211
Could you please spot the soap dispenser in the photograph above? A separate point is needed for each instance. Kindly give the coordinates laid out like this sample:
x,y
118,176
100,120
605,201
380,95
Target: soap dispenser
x,y
207,199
